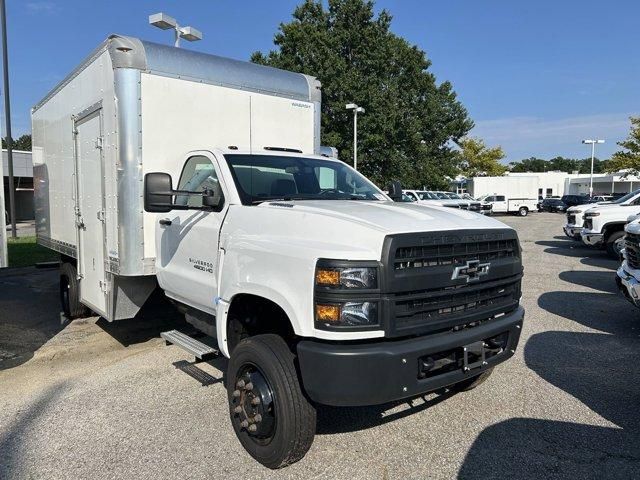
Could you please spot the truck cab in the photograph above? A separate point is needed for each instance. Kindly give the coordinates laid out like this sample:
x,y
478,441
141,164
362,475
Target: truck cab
x,y
289,257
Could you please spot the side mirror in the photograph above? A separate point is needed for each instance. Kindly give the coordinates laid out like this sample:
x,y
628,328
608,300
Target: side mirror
x,y
395,190
158,192
211,199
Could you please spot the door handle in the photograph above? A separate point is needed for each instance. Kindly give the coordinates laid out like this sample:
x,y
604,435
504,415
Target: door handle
x,y
165,221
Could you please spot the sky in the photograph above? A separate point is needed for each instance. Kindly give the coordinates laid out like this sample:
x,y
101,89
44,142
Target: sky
x,y
536,76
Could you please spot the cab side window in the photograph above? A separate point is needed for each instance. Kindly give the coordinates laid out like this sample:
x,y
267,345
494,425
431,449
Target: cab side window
x,y
500,198
198,174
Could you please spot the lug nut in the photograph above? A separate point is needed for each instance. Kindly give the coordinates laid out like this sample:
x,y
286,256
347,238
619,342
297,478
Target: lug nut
x,y
255,401
257,418
240,384
238,409
236,393
244,424
248,386
253,428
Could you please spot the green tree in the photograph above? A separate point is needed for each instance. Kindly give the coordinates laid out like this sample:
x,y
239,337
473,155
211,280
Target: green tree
x,y
531,164
22,143
629,157
410,120
476,159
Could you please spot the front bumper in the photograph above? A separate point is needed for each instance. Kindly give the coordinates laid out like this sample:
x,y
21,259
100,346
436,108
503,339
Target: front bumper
x,y
592,239
629,286
572,230
348,374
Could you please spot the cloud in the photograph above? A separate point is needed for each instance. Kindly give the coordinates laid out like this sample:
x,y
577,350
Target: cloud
x,y
523,137
41,7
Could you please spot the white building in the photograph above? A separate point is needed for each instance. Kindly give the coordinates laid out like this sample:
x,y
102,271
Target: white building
x,y
22,182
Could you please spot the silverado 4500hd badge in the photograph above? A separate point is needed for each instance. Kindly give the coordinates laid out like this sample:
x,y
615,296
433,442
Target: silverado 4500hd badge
x,y
201,265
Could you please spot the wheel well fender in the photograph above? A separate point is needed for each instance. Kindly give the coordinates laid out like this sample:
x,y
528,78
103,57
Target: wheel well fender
x,y
611,227
248,314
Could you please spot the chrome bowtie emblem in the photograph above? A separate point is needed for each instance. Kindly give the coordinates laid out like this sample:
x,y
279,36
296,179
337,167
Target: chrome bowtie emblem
x,y
472,271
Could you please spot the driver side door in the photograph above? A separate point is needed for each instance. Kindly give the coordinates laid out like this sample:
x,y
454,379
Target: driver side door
x,y
187,240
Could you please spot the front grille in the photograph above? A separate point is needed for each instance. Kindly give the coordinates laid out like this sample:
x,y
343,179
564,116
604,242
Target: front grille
x,y
434,255
475,207
439,306
436,282
571,219
632,247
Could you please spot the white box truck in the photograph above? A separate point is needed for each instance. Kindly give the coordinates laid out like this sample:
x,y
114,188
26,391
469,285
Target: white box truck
x,y
506,194
158,167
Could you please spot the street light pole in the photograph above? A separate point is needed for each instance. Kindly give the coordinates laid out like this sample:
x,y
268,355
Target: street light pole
x,y
165,22
593,155
7,114
356,109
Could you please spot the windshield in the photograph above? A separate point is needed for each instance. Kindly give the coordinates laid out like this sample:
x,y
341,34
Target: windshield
x,y
454,196
259,178
441,196
427,196
628,196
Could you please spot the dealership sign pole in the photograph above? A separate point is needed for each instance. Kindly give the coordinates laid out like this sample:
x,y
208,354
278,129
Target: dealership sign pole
x,y
4,261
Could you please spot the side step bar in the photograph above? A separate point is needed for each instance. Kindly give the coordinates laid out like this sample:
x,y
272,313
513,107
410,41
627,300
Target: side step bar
x,y
191,345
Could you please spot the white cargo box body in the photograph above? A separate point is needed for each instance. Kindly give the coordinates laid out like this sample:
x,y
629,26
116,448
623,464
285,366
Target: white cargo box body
x,y
134,107
510,187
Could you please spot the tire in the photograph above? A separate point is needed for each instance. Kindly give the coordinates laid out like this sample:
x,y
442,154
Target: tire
x,y
614,244
70,292
523,211
471,383
287,423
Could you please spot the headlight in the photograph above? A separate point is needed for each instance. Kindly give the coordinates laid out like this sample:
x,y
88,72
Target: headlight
x,y
347,277
591,214
347,295
347,314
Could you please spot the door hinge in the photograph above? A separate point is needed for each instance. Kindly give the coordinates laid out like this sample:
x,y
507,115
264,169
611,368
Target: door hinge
x,y
80,223
100,215
99,143
104,286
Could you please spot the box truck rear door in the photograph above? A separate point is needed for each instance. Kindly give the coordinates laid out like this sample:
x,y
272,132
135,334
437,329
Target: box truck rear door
x,y
90,208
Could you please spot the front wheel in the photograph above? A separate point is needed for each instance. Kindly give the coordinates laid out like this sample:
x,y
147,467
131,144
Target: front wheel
x,y
270,414
523,211
615,244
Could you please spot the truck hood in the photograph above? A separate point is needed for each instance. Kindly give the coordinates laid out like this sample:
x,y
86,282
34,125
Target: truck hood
x,y
390,217
590,206
616,210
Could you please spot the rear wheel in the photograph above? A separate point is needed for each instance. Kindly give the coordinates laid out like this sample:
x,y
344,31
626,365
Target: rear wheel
x,y
70,292
615,244
471,383
272,418
523,211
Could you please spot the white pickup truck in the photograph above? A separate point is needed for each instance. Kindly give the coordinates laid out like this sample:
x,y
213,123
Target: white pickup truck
x,y
604,224
443,199
628,275
158,166
575,218
518,206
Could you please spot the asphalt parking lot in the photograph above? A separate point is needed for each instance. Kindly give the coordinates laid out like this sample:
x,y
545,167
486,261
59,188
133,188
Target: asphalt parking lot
x,y
89,399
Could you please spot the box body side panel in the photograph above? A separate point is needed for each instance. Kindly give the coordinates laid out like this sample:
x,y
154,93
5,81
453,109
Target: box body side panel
x,y
54,155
